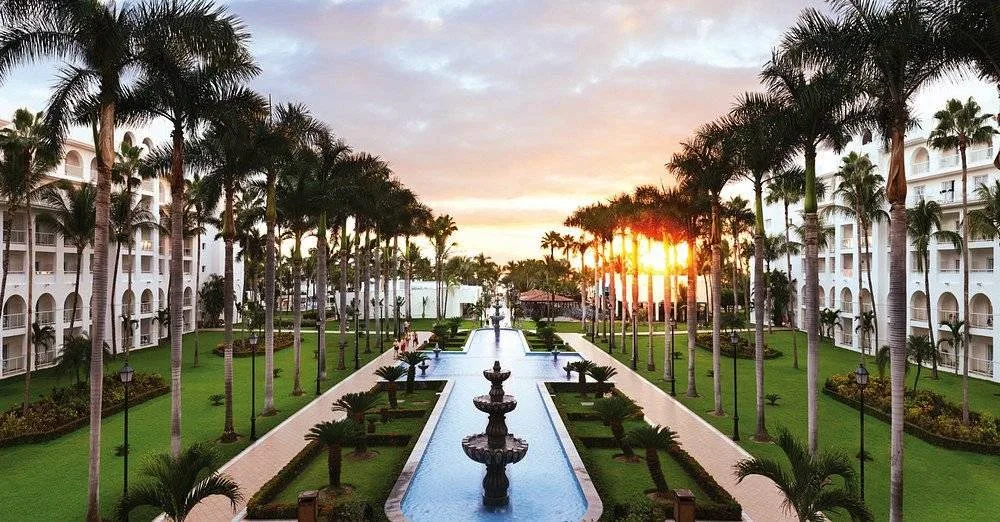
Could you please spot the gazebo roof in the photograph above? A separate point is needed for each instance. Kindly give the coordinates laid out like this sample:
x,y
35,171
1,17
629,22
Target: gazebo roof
x,y
541,296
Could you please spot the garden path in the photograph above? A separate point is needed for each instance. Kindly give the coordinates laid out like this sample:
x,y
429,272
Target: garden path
x,y
760,498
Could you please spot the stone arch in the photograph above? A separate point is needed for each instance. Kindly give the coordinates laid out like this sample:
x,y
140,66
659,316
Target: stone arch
x,y
45,309
128,302
74,164
980,311
14,312
822,296
68,307
947,306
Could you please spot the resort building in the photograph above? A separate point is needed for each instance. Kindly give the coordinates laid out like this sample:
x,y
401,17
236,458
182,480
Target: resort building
x,y
932,175
56,266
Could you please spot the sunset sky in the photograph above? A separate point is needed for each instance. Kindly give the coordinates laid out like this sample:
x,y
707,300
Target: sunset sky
x,y
505,114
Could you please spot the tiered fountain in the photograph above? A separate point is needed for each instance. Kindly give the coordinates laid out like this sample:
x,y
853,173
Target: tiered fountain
x,y
496,318
496,448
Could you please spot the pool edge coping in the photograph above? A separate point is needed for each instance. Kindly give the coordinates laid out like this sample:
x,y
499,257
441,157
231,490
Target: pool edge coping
x,y
394,504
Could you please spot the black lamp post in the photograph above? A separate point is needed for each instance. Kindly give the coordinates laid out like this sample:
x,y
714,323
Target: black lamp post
x,y
357,360
319,366
673,378
125,374
253,385
861,379
635,342
734,339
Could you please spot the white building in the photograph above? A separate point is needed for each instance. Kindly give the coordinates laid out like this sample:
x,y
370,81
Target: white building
x,y
56,264
931,175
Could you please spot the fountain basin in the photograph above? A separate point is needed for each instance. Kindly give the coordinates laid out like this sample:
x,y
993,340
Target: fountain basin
x,y
477,448
486,405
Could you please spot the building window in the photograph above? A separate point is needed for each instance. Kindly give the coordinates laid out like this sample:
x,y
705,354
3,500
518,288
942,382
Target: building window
x,y
980,181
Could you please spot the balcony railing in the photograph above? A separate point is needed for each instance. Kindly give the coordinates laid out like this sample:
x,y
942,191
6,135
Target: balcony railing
x,y
949,161
45,357
13,364
981,320
847,307
981,269
921,167
847,242
982,366
146,308
918,313
74,171
68,314
187,252
13,321
946,315
45,238
48,317
146,245
145,339
847,338
187,302
16,236
847,272
948,270
977,156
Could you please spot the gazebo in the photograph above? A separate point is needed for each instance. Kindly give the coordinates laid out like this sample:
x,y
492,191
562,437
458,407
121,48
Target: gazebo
x,y
536,302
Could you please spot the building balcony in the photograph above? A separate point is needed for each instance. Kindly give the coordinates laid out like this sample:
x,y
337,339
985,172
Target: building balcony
x,y
146,308
145,339
13,365
950,161
74,171
978,156
983,367
146,245
918,313
946,315
14,321
187,251
847,338
981,320
847,272
17,236
188,302
847,242
47,317
847,307
46,357
921,167
68,315
45,238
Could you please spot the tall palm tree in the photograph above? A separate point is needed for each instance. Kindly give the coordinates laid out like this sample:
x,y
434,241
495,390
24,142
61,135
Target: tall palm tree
x,y
788,187
822,105
28,155
692,212
439,231
551,241
177,483
72,216
202,200
923,223
862,191
129,215
334,435
891,50
985,221
959,126
812,486
652,439
957,340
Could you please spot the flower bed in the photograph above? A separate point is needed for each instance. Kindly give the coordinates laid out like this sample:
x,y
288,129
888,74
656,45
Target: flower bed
x,y
281,341
66,409
746,350
928,415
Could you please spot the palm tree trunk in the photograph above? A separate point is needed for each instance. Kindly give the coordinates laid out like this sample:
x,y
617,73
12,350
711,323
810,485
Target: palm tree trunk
x,y
114,289
342,317
613,301
760,434
896,193
650,317
583,291
76,287
655,470
297,314
930,321
811,294
127,328
177,205
692,306
229,236
197,289
394,263
625,293
871,290
377,273
357,284
791,290
635,297
334,463
409,279
668,341
861,302
29,360
8,221
105,160
321,299
716,298
965,289
269,280
366,270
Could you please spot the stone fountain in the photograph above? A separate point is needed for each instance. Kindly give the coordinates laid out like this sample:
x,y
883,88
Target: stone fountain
x,y
496,448
496,318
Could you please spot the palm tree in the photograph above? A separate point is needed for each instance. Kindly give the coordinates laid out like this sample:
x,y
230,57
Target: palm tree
x,y
788,188
551,241
830,319
956,340
866,326
177,483
42,337
601,375
614,411
812,486
71,215
920,349
412,359
653,439
891,50
334,435
960,126
582,368
821,103
862,191
202,200
99,44
439,231
391,374
75,354
355,406
128,216
292,189
923,223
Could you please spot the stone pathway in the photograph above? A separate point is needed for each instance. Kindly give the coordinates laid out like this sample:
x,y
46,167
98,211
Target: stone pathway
x,y
760,498
256,464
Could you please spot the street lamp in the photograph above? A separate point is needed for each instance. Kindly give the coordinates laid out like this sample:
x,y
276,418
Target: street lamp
x,y
319,365
734,339
673,378
635,342
125,375
861,379
253,385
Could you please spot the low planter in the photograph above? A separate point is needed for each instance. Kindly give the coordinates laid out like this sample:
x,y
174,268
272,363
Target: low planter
x,y
928,416
281,341
67,409
746,350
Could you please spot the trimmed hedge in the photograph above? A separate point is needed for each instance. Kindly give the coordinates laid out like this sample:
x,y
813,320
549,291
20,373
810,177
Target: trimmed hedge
x,y
67,409
923,414
746,349
574,386
281,341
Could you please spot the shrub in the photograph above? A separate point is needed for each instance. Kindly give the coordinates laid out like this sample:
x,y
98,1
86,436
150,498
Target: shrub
x,y
772,398
218,399
281,341
746,349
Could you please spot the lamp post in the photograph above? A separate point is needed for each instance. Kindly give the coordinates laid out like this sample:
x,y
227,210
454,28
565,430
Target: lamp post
x,y
125,374
861,379
734,339
635,342
319,366
253,385
673,378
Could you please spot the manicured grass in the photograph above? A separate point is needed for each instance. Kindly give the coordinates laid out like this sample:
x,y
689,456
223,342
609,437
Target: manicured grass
x,y
366,476
418,324
574,326
970,479
48,481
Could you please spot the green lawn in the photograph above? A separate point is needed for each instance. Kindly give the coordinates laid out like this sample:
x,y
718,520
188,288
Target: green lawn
x,y
939,484
48,481
418,324
574,326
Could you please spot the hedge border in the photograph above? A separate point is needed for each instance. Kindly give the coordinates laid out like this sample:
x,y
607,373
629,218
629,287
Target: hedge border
x,y
79,422
726,353
915,430
221,351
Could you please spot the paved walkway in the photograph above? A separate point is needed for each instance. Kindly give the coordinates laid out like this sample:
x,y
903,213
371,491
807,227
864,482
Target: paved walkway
x,y
760,498
262,460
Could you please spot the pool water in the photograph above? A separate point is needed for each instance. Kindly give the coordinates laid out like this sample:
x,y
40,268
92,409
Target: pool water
x,y
447,485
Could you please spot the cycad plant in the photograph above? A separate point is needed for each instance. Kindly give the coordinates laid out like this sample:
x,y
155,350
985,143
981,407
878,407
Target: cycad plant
x,y
614,411
412,359
391,374
582,368
176,484
355,406
652,439
601,374
334,435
